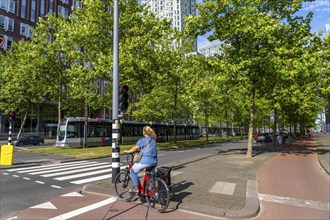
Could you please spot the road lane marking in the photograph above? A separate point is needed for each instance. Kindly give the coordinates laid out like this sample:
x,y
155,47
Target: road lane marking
x,y
26,178
296,202
44,166
46,205
40,182
76,170
69,167
57,187
83,174
72,194
85,209
92,179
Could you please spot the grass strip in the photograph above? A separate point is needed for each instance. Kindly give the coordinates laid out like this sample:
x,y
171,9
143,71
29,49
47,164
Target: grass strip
x,y
106,151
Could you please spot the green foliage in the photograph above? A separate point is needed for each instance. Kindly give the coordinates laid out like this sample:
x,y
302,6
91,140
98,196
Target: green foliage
x,y
270,60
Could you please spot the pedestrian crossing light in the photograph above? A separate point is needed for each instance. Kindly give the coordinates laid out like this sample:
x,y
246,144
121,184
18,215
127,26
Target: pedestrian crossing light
x,y
123,98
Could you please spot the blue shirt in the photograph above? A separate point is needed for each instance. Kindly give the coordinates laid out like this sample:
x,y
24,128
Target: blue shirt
x,y
149,155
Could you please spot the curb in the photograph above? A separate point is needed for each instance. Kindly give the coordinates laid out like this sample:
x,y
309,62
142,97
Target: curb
x,y
324,164
252,205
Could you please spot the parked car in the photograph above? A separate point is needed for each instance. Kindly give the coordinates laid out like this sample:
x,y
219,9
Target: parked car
x,y
35,140
263,137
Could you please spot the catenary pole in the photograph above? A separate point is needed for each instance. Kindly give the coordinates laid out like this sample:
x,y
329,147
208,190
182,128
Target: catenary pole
x,y
115,93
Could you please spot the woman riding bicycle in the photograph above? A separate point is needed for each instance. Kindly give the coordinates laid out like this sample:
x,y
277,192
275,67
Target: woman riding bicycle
x,y
147,145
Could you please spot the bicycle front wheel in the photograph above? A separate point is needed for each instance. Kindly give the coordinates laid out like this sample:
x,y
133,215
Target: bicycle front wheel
x,y
157,195
123,184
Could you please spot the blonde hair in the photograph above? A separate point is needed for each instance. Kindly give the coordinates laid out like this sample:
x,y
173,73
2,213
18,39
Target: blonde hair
x,y
149,131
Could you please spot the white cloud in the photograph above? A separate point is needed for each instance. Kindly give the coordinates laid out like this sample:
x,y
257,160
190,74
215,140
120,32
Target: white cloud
x,y
320,5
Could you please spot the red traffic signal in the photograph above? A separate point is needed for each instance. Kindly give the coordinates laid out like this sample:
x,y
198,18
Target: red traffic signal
x,y
12,115
123,89
123,98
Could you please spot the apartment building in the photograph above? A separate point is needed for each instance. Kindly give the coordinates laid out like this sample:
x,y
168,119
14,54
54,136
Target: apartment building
x,y
18,17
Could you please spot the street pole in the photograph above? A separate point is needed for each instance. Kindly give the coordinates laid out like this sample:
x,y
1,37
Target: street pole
x,y
115,93
10,131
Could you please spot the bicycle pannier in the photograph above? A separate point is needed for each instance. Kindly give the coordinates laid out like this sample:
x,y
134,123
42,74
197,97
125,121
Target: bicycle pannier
x,y
165,174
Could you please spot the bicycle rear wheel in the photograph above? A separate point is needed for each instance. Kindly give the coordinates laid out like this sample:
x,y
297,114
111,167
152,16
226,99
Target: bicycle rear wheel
x,y
123,184
157,195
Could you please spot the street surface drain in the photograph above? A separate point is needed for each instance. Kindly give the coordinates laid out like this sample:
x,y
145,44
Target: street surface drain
x,y
223,188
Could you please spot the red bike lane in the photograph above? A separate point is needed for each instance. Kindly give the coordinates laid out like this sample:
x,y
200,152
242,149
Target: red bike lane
x,y
293,185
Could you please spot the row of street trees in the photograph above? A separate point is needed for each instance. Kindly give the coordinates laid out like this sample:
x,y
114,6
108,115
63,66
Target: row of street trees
x,y
270,60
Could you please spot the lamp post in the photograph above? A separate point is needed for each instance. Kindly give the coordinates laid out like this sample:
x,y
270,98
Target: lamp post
x,y
115,78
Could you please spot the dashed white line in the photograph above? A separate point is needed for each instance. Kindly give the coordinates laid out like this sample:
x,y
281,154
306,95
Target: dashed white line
x,y
26,178
40,182
6,174
57,187
15,176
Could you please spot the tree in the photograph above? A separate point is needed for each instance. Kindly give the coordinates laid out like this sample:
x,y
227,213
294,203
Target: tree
x,y
23,80
253,34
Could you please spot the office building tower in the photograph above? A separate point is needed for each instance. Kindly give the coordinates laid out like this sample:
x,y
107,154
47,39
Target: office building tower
x,y
173,10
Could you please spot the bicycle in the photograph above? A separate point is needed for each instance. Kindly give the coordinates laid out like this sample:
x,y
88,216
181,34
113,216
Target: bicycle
x,y
153,188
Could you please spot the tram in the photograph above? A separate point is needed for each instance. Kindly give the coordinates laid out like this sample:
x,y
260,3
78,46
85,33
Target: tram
x,y
99,132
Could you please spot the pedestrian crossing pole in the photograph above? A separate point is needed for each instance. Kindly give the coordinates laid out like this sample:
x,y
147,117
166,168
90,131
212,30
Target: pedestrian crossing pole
x,y
11,119
10,131
115,98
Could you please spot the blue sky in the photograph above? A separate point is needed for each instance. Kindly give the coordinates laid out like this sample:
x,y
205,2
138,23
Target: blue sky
x,y
321,16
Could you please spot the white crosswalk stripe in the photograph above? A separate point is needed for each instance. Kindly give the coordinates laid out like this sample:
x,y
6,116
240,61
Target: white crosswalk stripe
x,y
78,172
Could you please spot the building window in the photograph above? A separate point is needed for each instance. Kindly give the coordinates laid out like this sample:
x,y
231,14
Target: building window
x,y
12,6
24,30
10,24
77,4
63,11
51,7
6,23
8,5
65,1
8,42
42,8
33,11
23,8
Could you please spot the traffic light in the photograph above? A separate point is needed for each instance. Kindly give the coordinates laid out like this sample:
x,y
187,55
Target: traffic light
x,y
12,116
123,98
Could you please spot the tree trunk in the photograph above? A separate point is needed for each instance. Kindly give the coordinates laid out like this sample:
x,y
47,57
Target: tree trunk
x,y
250,139
22,125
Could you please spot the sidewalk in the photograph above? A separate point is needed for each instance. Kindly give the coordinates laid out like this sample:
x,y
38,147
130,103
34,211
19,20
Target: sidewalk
x,y
222,184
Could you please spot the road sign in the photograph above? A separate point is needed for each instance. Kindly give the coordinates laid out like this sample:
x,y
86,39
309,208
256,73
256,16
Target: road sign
x,y
1,41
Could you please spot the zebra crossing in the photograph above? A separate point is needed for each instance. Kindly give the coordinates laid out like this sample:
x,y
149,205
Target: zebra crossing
x,y
78,172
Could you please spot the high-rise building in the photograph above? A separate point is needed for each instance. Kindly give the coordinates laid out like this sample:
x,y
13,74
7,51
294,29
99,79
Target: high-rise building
x,y
173,10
